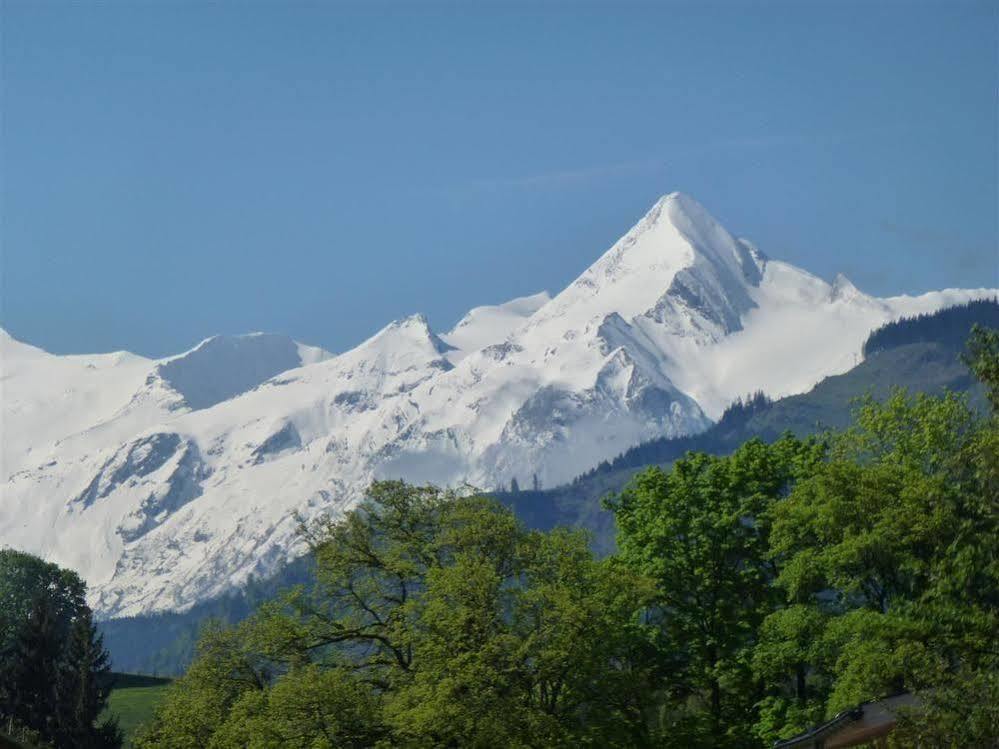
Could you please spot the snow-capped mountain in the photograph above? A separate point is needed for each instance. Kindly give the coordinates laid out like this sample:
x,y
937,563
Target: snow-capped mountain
x,y
167,481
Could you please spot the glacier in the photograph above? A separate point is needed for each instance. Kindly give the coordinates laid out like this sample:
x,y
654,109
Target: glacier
x,y
164,482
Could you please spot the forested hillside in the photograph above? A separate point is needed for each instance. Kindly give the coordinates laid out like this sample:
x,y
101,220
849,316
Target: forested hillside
x,y
948,327
163,644
921,354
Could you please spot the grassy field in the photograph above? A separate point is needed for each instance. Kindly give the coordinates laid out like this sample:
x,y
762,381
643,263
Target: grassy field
x,y
133,699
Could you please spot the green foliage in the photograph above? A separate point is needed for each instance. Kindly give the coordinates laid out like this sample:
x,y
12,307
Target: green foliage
x,y
27,581
54,670
307,708
701,532
524,636
437,620
982,359
197,704
888,560
797,580
961,710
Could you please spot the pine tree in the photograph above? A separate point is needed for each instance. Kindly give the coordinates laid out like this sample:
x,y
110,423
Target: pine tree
x,y
31,675
55,673
84,687
514,486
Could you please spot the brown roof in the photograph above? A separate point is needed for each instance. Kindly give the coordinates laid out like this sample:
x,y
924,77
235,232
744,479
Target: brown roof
x,y
853,727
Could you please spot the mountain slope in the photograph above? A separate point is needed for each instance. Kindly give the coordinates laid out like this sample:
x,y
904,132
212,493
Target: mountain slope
x,y
181,478
921,355
106,398
490,324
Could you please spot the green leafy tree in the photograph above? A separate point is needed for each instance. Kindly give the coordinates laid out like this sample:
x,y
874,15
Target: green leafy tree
x,y
701,531
24,579
961,710
308,708
437,620
982,358
527,641
198,704
887,556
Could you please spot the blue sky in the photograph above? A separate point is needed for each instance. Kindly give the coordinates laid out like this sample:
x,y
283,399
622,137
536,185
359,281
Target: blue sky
x,y
177,169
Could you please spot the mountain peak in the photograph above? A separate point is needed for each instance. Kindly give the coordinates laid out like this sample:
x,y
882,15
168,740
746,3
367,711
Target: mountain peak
x,y
843,287
677,207
676,216
676,262
408,333
416,321
679,199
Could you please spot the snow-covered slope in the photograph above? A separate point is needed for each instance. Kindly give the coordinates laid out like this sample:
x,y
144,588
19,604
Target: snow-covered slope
x,y
485,325
101,399
167,481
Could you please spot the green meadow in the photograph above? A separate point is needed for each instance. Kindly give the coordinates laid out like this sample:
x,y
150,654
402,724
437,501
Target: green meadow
x,y
133,699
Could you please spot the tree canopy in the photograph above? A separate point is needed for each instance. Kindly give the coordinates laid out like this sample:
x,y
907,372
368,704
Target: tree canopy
x,y
54,671
438,620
